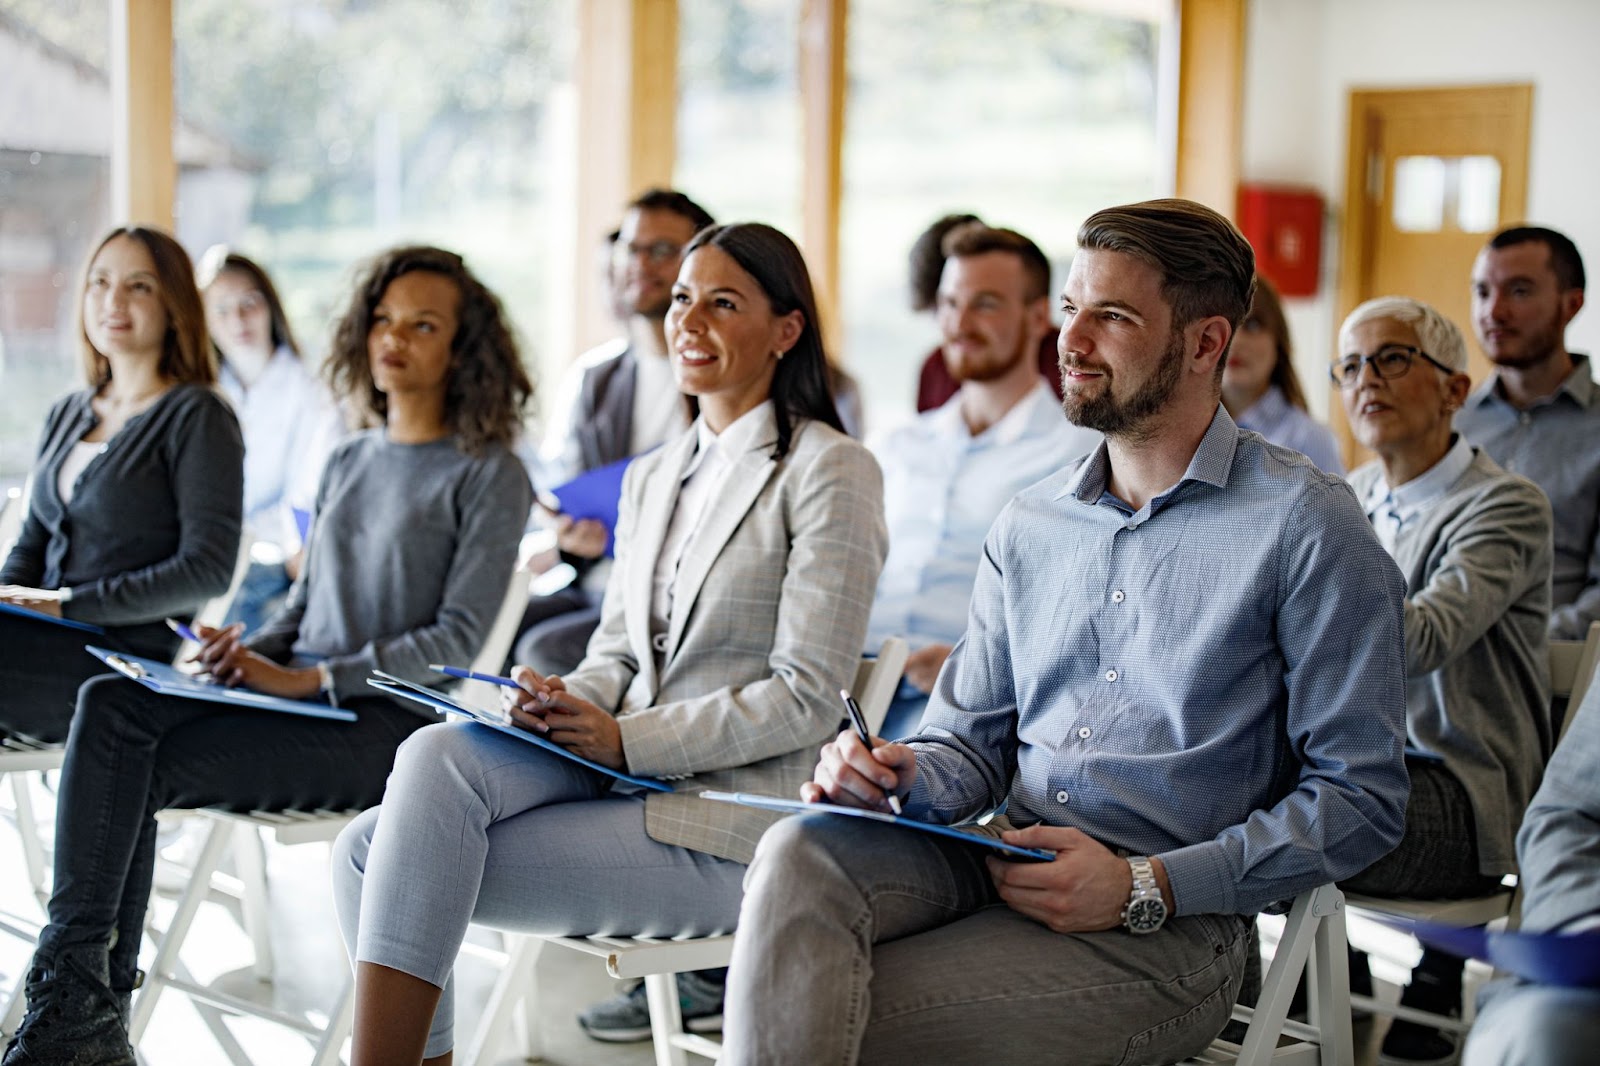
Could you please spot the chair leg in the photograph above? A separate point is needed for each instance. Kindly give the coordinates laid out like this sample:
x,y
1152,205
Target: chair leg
x,y
331,1046
510,990
164,965
666,1018
1329,1001
33,858
249,852
11,1017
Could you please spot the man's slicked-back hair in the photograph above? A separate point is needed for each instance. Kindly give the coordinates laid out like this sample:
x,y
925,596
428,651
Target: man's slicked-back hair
x,y
975,238
927,259
674,201
1564,257
1207,267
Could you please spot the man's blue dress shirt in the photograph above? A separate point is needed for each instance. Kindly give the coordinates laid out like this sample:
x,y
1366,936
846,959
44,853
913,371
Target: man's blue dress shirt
x,y
1217,678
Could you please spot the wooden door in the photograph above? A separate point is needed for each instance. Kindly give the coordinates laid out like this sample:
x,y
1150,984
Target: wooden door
x,y
1432,174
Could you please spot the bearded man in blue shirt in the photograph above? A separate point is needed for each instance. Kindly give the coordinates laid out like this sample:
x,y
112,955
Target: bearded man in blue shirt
x,y
1183,673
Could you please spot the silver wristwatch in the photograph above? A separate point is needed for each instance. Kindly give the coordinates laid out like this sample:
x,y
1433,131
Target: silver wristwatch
x,y
1146,911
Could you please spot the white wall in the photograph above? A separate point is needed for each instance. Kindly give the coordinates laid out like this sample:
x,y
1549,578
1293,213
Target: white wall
x,y
1303,57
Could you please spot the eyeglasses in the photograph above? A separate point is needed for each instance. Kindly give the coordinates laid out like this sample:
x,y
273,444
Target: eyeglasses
x,y
1389,362
654,252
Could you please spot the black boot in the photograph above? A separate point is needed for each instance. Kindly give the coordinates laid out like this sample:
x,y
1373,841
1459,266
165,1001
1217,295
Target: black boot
x,y
1436,988
73,1016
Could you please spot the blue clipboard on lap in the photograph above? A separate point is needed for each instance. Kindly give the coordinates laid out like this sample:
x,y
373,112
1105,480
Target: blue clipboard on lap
x,y
1571,960
161,677
787,806
28,612
400,687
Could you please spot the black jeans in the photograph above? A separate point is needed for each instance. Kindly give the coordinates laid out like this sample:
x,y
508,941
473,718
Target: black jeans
x,y
132,752
42,665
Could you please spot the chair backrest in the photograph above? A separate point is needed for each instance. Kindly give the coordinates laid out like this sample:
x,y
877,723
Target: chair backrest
x,y
12,513
491,658
877,679
1572,669
214,610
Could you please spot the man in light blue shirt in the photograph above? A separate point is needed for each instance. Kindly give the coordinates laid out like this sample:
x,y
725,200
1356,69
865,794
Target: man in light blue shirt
x,y
947,475
1183,671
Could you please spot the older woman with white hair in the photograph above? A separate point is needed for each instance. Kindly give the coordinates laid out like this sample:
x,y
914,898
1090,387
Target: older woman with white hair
x,y
1473,543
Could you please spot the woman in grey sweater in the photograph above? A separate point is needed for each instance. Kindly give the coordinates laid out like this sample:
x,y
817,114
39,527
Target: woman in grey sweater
x,y
411,547
135,509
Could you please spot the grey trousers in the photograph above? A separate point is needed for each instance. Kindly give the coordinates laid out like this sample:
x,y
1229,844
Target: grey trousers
x,y
480,827
860,942
1535,1025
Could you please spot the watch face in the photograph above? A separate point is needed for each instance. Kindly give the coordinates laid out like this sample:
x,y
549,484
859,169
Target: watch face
x,y
1145,915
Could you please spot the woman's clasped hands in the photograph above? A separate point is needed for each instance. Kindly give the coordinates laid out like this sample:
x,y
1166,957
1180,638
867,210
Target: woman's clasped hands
x,y
543,705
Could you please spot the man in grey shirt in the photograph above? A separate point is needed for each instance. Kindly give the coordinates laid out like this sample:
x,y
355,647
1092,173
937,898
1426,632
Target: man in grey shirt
x,y
1538,414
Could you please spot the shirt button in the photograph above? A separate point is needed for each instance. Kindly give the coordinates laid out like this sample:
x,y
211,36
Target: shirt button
x,y
1062,797
1085,733
1111,675
659,642
1117,596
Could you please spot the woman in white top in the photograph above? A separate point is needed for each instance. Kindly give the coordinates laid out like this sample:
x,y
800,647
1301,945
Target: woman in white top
x,y
290,424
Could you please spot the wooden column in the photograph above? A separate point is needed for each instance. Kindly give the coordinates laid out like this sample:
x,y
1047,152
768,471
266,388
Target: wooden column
x,y
1210,100
822,79
627,87
144,172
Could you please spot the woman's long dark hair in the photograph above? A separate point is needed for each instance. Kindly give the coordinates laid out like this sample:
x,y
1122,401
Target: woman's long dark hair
x,y
219,260
800,382
487,388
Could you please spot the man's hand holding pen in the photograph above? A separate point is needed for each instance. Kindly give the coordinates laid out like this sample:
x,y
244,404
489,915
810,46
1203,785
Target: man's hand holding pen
x,y
853,775
543,705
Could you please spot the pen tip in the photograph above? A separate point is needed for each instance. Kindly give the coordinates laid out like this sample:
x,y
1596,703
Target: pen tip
x,y
436,668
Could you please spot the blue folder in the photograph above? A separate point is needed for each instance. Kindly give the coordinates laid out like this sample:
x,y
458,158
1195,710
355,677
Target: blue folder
x,y
595,494
161,677
778,803
28,612
1568,959
399,686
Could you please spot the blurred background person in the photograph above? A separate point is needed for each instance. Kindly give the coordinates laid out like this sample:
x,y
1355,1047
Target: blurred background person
x,y
1260,389
289,423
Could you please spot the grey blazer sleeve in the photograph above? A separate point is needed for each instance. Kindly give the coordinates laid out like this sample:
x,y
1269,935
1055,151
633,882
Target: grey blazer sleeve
x,y
832,506
1500,547
1559,845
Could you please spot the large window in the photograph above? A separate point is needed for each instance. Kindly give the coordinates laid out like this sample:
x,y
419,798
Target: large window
x,y
55,200
1029,113
738,135
326,131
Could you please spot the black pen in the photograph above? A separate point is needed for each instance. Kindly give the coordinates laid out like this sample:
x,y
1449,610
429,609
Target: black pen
x,y
859,721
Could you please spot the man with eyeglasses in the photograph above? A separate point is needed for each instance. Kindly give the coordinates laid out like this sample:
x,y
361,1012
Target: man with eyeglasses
x,y
619,400
1473,543
1539,412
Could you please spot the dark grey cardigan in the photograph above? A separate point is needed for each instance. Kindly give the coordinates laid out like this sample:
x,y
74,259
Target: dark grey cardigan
x,y
153,526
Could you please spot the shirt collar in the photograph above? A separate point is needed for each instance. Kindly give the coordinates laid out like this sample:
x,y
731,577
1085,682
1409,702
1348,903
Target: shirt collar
x,y
1210,463
737,438
1025,418
1407,501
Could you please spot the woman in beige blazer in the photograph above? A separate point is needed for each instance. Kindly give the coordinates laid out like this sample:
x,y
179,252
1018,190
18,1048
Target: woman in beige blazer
x,y
747,554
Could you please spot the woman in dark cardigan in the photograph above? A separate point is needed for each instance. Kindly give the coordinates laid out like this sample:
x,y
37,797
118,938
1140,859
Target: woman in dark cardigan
x,y
135,509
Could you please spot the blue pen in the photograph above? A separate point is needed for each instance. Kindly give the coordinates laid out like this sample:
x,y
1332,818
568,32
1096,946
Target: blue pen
x,y
473,675
183,631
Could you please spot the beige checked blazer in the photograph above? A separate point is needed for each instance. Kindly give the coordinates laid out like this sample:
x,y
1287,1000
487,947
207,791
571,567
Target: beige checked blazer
x,y
768,621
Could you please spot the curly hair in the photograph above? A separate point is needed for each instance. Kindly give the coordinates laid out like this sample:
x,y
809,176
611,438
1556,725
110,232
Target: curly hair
x,y
186,355
487,389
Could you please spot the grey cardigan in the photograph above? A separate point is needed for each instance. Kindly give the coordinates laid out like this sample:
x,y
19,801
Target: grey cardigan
x,y
153,526
1477,570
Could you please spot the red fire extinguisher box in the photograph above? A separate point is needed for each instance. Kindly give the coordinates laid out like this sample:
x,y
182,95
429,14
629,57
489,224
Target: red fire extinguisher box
x,y
1284,226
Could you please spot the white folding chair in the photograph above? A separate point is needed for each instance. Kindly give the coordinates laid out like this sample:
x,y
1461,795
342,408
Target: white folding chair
x,y
1572,669
1312,947
12,512
657,961
19,760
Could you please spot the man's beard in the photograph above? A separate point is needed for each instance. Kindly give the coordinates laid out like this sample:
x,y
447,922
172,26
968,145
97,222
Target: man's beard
x,y
1533,346
1130,417
992,369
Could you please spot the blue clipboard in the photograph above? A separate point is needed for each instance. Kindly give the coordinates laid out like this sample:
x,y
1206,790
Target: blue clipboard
x,y
1571,960
399,686
28,612
595,494
787,806
161,677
